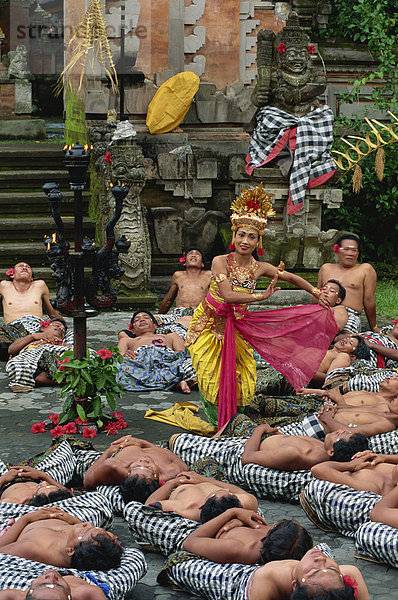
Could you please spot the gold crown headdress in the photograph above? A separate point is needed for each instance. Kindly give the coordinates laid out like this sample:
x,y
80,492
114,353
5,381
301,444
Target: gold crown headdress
x,y
373,141
252,208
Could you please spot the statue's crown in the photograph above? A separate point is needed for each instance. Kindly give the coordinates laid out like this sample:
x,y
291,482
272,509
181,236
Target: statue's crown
x,y
292,34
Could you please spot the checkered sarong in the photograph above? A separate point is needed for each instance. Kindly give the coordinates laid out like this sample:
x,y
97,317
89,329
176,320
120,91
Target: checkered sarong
x,y
377,541
313,139
226,451
18,573
336,507
384,443
59,464
281,485
166,531
91,506
353,324
21,368
309,426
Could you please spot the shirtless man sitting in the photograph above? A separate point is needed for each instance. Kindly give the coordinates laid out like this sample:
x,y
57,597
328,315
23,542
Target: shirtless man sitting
x,y
359,281
189,287
144,329
200,498
51,536
136,465
66,587
240,535
366,471
22,296
42,489
295,452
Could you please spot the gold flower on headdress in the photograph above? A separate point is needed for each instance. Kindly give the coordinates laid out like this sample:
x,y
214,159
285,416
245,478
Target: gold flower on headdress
x,y
252,208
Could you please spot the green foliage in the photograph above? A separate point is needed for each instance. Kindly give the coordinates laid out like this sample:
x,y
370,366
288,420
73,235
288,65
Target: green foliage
x,y
386,297
89,377
371,214
371,22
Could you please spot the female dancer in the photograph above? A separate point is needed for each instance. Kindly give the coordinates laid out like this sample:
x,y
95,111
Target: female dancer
x,y
223,333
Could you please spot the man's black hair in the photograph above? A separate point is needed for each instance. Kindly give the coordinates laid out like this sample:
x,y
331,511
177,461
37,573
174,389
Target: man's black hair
x,y
197,249
42,499
53,321
344,450
138,488
148,312
361,351
348,236
316,592
287,539
213,507
100,553
342,290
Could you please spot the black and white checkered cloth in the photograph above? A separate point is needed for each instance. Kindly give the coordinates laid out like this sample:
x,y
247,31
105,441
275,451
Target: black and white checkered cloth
x,y
281,485
377,541
336,507
21,368
92,506
384,443
353,324
312,157
59,465
309,426
18,573
166,531
227,452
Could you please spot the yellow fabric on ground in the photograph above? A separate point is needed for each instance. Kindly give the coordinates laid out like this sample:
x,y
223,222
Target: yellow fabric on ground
x,y
182,415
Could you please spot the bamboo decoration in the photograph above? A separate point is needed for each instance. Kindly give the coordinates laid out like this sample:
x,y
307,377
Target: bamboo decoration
x,y
90,35
364,146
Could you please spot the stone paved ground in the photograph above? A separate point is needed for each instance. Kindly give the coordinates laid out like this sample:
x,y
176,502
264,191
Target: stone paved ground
x,y
19,411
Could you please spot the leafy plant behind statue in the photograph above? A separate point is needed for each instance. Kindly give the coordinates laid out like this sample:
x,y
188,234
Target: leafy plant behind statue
x,y
90,377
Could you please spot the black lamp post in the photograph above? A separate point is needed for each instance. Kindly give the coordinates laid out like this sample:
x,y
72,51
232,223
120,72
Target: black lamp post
x,y
68,267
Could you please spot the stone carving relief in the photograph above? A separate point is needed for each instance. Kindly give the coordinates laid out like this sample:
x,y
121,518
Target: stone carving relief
x,y
247,41
197,38
194,11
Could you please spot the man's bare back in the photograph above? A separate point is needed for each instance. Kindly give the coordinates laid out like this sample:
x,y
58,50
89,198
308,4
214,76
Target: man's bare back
x,y
130,456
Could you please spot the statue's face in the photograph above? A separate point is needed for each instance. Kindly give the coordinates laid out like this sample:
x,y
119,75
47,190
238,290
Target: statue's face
x,y
126,165
295,60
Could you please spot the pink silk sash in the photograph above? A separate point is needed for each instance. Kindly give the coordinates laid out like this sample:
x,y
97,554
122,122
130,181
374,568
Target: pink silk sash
x,y
293,340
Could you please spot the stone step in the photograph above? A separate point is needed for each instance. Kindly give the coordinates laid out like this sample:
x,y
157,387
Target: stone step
x,y
35,228
32,203
28,178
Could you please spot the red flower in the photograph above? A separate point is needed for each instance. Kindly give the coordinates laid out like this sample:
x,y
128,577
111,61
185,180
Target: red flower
x,y
311,48
104,353
38,427
281,48
44,324
131,326
336,248
69,428
351,583
121,424
57,431
395,321
111,429
53,418
89,433
252,205
61,363
80,422
118,415
182,258
10,273
108,157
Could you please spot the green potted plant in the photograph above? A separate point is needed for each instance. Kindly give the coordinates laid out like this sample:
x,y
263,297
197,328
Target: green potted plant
x,y
85,381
